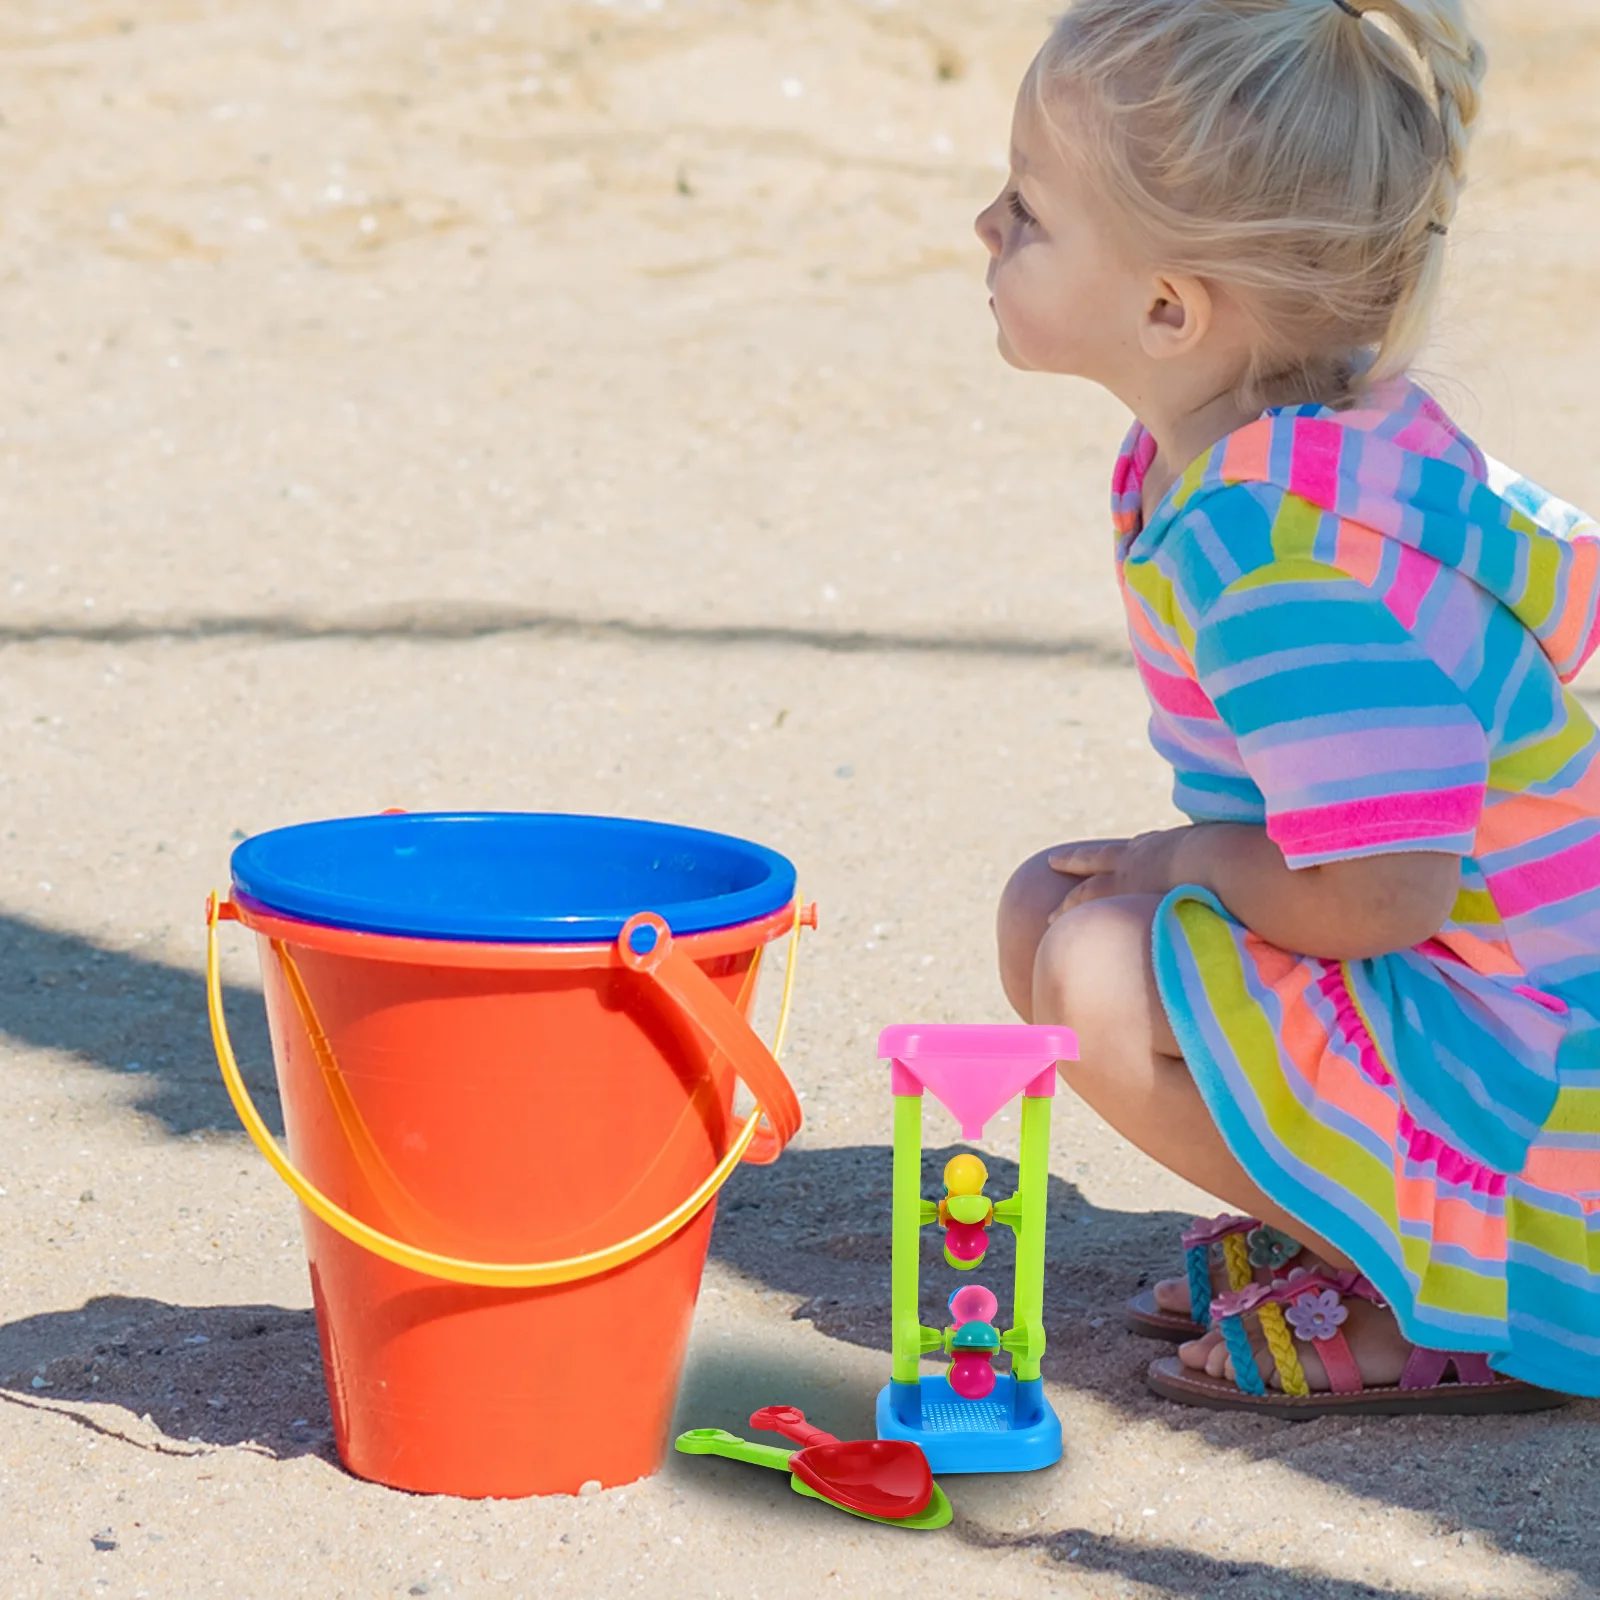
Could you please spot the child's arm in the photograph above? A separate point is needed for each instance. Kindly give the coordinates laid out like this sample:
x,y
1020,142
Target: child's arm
x,y
1343,911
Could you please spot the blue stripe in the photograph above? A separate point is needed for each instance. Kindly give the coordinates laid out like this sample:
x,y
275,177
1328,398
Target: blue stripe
x,y
1350,1226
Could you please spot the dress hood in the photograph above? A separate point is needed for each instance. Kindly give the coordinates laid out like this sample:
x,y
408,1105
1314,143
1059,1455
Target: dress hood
x,y
1402,470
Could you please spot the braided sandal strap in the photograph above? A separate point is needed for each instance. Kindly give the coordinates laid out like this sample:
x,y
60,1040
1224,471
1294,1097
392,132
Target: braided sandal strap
x,y
1245,1244
1308,1305
1236,1261
1245,1371
1281,1343
1197,1265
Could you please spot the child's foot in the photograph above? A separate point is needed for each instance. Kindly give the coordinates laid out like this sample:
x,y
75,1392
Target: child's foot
x,y
1317,1340
1377,1346
1222,1254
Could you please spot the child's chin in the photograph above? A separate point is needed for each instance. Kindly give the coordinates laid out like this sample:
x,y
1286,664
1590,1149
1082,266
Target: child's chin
x,y
1009,355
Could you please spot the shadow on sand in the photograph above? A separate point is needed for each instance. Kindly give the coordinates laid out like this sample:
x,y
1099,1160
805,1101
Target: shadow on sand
x,y
135,1016
198,1376
814,1228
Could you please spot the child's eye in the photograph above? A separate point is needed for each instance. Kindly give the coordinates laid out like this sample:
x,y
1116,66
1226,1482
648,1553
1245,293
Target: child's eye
x,y
1018,209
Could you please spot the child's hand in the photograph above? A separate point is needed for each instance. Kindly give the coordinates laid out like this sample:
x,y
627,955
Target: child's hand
x,y
1143,865
1339,911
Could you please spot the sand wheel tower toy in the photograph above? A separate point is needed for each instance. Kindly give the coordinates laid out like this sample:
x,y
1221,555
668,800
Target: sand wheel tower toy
x,y
972,1418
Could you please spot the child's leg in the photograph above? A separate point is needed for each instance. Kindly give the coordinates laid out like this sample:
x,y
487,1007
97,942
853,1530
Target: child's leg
x,y
1091,971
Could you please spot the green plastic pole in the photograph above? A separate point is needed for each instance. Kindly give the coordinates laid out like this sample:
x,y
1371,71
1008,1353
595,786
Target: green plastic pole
x,y
905,1240
1033,1177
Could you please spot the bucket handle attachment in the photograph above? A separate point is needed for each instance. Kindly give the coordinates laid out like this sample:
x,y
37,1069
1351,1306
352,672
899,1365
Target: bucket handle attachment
x,y
772,1122
679,976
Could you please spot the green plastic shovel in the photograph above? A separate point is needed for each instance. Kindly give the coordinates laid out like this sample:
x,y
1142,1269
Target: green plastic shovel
x,y
715,1442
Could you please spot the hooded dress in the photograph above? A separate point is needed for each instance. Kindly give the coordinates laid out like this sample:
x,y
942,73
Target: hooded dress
x,y
1356,631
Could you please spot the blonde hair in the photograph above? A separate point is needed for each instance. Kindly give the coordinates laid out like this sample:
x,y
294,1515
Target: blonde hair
x,y
1306,159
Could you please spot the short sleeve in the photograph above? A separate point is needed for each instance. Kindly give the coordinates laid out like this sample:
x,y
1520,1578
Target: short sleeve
x,y
1360,743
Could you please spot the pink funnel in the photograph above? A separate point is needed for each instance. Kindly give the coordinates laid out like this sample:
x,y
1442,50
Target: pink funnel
x,y
973,1070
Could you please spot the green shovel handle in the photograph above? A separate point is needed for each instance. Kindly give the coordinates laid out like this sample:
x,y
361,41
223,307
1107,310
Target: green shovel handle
x,y
716,1442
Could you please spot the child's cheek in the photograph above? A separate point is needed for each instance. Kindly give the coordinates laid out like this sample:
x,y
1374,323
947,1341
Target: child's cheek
x,y
1018,323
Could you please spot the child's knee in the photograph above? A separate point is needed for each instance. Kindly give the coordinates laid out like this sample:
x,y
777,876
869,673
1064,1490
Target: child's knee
x,y
1032,892
1091,966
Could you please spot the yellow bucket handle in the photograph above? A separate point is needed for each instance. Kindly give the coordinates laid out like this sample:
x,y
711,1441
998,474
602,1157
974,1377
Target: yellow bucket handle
x,y
495,1275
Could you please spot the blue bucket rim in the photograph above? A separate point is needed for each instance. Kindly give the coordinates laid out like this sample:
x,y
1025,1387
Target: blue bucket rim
x,y
258,881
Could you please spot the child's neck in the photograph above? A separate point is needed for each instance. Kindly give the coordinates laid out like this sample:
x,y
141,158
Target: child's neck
x,y
1183,435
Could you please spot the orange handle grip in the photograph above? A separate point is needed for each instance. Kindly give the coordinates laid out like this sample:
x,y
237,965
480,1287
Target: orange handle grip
x,y
723,1024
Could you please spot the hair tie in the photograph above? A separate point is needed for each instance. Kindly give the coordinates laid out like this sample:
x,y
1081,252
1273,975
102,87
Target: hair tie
x,y
1350,10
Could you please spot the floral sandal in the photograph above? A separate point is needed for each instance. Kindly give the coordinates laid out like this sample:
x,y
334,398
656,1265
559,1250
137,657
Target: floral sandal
x,y
1308,1306
1246,1246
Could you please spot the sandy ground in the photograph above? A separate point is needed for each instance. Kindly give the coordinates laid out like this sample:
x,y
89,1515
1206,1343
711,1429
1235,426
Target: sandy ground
x,y
594,407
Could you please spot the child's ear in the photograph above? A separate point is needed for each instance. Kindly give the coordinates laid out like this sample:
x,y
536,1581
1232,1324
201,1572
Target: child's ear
x,y
1177,318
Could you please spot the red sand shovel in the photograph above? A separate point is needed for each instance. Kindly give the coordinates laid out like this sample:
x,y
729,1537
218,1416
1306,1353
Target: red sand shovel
x,y
877,1477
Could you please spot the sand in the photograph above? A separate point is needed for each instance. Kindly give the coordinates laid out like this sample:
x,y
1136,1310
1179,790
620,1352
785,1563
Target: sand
x,y
594,407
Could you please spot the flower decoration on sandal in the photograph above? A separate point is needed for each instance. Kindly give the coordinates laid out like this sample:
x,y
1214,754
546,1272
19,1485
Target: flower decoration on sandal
x,y
1270,1249
1316,1316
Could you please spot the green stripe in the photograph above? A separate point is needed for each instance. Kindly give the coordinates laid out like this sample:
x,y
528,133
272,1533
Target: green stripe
x,y
1254,1046
1294,529
1458,1289
1575,1111
1475,906
1539,763
1563,1238
1541,587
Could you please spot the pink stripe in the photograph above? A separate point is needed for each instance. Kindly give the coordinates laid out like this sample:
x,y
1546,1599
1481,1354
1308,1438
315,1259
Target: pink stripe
x,y
1384,819
1564,876
1550,1002
1413,578
1181,696
1314,463
1352,1028
1428,1149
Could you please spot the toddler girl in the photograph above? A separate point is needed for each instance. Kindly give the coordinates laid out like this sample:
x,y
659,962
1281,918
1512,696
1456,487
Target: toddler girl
x,y
1357,996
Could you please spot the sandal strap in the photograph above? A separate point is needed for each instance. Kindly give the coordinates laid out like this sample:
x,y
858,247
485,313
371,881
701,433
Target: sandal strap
x,y
1425,1369
1293,1287
1281,1343
1213,1230
1246,1244
1245,1371
1229,1232
1197,1268
1308,1304
1344,1376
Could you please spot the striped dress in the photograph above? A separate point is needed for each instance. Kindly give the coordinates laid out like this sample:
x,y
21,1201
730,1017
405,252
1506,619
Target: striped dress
x,y
1356,630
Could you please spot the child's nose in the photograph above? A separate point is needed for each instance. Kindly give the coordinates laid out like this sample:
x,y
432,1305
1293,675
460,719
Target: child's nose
x,y
988,228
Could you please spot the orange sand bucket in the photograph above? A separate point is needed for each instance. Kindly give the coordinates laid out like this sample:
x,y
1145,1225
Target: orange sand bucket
x,y
506,1047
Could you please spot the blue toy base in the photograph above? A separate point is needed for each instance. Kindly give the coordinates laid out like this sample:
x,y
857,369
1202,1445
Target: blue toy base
x,y
1013,1429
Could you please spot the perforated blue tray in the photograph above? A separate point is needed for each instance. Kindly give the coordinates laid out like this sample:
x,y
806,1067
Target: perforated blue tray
x,y
1014,1428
